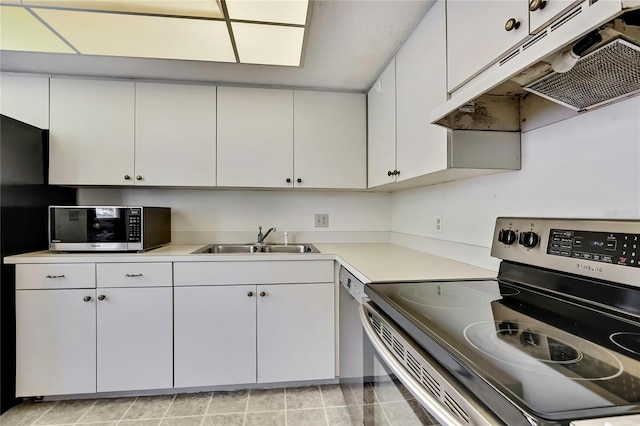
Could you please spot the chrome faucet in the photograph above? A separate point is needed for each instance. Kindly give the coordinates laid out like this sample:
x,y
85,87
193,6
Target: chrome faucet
x,y
262,237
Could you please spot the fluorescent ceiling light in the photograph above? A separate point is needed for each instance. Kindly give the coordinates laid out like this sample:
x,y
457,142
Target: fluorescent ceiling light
x,y
199,8
282,11
142,36
20,30
268,44
255,31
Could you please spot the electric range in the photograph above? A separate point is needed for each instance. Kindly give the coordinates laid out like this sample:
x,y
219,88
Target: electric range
x,y
554,340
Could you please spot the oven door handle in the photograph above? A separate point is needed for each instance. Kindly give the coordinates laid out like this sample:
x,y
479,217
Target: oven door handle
x,y
434,406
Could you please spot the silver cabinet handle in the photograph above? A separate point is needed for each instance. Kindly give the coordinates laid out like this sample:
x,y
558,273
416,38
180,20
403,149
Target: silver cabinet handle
x,y
132,275
263,294
87,298
127,177
102,297
250,294
138,177
55,276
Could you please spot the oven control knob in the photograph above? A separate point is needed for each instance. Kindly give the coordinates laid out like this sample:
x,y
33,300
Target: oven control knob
x,y
507,236
529,239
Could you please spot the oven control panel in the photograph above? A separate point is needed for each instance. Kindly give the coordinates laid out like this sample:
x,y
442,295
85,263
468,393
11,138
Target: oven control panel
x,y
608,249
605,247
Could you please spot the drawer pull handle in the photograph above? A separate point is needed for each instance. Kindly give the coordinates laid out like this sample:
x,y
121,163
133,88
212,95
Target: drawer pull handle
x,y
132,275
55,276
250,294
102,297
263,294
87,298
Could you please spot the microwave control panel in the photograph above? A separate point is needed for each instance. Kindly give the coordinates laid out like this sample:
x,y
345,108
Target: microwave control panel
x,y
135,225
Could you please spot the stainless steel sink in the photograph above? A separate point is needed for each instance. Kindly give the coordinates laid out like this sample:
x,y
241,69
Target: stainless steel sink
x,y
256,248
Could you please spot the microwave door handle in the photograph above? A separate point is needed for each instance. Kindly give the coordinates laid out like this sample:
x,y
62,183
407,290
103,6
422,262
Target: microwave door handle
x,y
433,405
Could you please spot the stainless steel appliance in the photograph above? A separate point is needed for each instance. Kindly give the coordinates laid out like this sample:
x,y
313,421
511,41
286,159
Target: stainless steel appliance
x,y
555,340
108,228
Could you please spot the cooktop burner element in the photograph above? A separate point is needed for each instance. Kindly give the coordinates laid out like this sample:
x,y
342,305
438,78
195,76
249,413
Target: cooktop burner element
x,y
538,351
627,341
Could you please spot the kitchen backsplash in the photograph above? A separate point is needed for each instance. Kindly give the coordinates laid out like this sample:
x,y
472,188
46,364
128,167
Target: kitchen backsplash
x,y
205,216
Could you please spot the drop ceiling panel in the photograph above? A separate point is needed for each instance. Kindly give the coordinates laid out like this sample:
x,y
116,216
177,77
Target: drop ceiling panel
x,y
110,34
200,8
289,12
268,44
20,30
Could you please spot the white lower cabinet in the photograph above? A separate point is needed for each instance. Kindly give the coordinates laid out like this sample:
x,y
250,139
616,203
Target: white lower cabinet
x,y
215,335
247,332
87,340
295,332
55,342
134,339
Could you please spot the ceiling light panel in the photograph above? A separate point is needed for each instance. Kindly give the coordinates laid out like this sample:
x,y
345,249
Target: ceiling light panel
x,y
113,34
268,44
197,8
281,11
20,30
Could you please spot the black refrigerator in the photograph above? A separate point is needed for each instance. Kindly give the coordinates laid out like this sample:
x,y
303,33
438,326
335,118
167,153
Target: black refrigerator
x,y
24,198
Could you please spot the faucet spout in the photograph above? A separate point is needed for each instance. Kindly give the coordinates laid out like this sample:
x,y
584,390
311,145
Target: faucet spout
x,y
261,237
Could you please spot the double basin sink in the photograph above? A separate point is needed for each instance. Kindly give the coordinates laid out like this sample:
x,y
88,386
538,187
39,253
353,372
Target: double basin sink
x,y
256,248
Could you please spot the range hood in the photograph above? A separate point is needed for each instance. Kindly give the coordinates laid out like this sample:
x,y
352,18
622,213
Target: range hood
x,y
545,68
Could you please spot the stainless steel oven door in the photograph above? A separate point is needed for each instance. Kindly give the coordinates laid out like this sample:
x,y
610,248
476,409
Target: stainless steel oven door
x,y
402,362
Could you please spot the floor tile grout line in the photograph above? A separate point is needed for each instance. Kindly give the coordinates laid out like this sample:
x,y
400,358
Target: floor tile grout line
x,y
324,407
175,395
127,410
206,410
246,408
85,413
45,412
285,406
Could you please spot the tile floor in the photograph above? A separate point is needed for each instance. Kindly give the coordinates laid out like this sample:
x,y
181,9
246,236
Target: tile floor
x,y
327,405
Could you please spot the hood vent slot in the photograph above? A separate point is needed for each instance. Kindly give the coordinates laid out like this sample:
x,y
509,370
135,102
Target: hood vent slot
x,y
609,73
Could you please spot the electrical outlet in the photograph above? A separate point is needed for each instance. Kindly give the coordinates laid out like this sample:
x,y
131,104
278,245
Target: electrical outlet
x,y
438,224
322,220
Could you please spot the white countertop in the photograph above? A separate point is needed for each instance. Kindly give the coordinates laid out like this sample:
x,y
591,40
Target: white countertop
x,y
368,262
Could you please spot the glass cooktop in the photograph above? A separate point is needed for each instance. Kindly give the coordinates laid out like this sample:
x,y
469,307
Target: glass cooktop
x,y
553,358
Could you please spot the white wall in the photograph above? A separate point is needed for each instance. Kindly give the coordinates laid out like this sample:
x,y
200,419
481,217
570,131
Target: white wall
x,y
587,166
207,216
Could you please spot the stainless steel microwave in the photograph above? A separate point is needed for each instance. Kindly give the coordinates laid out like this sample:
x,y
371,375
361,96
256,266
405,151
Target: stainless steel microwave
x,y
108,228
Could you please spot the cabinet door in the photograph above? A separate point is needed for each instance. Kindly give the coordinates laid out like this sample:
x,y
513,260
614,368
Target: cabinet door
x,y
92,131
25,98
295,332
175,141
215,335
421,86
476,34
55,342
382,128
330,140
255,137
135,341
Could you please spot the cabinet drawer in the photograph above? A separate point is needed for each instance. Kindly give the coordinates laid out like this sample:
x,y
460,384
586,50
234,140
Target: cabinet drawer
x,y
267,272
133,274
55,275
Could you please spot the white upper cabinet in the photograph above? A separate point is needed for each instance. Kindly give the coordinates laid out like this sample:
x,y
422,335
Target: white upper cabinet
x,y
420,87
542,12
92,132
479,31
255,137
25,98
330,145
175,135
382,128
